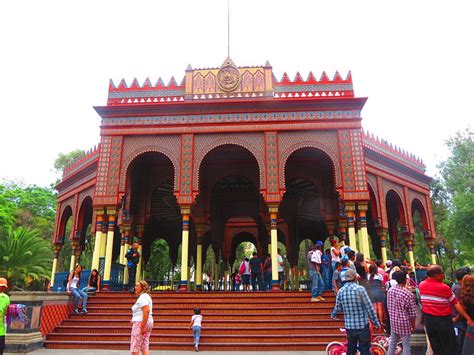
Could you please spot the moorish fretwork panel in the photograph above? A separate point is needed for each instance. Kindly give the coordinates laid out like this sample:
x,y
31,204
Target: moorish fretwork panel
x,y
134,146
253,142
326,141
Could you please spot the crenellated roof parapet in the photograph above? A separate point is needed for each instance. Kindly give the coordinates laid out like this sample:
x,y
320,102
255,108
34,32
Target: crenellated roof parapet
x,y
392,151
311,87
230,82
77,164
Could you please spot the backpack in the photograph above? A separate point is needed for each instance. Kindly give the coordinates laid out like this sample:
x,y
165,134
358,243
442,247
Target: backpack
x,y
66,280
242,268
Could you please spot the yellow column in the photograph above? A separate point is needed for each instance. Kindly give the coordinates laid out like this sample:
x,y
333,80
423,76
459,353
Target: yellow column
x,y
109,248
342,231
98,240
140,251
363,233
382,233
103,239
122,246
198,273
350,211
73,261
274,246
57,248
431,245
126,247
53,271
183,284
410,243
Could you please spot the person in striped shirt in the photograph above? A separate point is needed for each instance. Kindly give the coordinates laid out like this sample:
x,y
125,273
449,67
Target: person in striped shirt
x,y
436,300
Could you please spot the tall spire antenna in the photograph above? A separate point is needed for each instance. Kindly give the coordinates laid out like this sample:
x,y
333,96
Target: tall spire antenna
x,y
228,28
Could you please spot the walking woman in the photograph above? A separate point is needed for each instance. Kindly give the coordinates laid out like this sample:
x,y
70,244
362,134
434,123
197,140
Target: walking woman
x,y
74,290
142,320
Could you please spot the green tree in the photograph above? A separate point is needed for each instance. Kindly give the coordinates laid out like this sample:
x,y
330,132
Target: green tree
x,y
31,206
64,159
158,266
453,203
25,257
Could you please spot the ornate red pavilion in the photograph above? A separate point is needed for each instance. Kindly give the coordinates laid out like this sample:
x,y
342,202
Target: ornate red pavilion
x,y
232,154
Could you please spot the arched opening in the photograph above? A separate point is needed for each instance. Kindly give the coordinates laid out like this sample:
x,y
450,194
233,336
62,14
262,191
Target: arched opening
x,y
243,246
65,227
372,221
396,219
420,225
310,199
152,204
228,197
84,227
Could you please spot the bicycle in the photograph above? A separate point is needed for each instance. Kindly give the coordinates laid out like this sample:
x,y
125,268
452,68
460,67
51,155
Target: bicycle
x,y
338,348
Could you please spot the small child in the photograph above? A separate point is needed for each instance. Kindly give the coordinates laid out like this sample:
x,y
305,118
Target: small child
x,y
195,325
237,281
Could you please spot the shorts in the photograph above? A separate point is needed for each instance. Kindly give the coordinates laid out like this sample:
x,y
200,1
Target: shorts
x,y
245,279
139,341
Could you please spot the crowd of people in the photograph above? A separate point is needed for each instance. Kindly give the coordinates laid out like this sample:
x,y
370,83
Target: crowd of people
x,y
371,293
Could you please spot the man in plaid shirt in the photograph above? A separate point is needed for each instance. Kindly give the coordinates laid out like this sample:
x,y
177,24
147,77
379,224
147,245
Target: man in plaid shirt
x,y
354,301
402,310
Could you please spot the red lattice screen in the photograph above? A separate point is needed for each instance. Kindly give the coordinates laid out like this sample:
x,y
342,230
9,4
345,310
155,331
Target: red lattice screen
x,y
53,315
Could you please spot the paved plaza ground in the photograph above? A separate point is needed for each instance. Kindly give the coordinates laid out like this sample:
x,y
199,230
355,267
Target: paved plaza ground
x,y
123,352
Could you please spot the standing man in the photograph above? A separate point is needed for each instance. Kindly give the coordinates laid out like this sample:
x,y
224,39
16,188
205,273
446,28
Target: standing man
x,y
402,310
314,268
256,268
437,299
4,303
355,303
133,257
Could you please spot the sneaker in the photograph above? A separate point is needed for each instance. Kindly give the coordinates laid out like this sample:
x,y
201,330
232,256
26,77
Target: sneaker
x,y
84,310
76,311
315,299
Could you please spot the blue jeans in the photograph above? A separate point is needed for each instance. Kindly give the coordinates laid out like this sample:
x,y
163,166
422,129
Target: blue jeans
x,y
78,295
317,283
394,339
196,334
268,280
89,289
256,279
327,277
361,336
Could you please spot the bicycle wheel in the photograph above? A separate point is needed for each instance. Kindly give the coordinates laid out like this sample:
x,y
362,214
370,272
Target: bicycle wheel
x,y
381,340
335,348
377,349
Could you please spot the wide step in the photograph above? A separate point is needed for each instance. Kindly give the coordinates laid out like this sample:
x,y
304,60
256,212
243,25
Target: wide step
x,y
237,321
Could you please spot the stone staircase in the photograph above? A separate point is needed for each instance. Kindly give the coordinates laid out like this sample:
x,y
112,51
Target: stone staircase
x,y
260,321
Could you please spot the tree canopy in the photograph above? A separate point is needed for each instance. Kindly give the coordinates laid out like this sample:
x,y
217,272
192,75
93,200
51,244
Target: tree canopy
x,y
453,202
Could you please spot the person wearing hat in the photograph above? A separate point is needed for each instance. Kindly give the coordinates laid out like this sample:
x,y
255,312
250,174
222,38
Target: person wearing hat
x,y
355,303
314,267
4,303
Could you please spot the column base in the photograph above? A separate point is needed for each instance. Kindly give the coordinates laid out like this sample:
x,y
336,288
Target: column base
x,y
183,286
198,287
105,286
275,285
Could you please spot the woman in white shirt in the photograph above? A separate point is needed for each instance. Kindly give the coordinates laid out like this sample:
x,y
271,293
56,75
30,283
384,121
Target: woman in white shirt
x,y
142,320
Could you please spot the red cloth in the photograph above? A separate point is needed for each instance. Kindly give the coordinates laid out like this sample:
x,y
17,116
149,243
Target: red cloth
x,y
437,298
